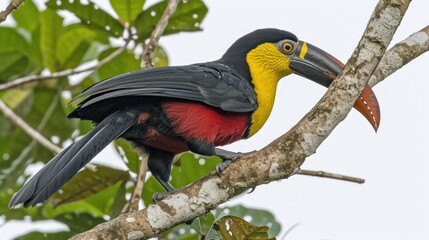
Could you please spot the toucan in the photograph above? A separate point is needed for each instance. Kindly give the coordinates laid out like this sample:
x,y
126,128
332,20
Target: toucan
x,y
170,110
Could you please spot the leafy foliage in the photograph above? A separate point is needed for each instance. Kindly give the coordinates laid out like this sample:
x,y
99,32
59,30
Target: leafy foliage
x,y
87,183
128,10
256,217
14,57
47,42
90,14
230,228
51,28
188,17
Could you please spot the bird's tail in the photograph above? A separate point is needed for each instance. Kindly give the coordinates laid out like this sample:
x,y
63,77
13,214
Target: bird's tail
x,y
69,161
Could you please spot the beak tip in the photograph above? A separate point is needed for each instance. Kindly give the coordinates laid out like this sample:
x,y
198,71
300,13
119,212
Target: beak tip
x,y
376,128
367,105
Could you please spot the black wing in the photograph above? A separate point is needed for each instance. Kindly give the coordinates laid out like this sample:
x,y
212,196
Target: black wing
x,y
212,83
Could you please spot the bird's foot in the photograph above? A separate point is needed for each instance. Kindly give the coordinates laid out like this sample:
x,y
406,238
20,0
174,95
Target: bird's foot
x,y
228,157
160,196
220,167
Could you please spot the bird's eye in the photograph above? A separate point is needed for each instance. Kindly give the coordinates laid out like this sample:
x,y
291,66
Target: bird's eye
x,y
287,47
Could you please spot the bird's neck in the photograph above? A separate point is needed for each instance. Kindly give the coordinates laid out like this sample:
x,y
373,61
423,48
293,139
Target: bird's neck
x,y
265,95
264,78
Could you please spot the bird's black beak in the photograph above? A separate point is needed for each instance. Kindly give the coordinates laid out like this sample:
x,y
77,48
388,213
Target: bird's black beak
x,y
319,66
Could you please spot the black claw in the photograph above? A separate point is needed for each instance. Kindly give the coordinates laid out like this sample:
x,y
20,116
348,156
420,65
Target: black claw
x,y
222,166
160,196
251,190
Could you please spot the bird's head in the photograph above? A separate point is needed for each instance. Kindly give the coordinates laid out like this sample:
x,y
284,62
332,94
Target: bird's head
x,y
281,53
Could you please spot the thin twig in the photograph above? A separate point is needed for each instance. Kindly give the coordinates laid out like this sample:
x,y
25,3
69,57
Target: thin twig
x,y
28,129
33,78
330,175
14,4
290,230
157,33
133,204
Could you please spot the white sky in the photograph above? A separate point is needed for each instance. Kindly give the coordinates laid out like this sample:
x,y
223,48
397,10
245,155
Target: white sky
x,y
393,203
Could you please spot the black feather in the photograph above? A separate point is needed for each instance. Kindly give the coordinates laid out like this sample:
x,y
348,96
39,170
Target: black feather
x,y
212,83
69,161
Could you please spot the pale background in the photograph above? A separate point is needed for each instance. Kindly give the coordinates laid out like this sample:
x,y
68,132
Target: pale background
x,y
393,203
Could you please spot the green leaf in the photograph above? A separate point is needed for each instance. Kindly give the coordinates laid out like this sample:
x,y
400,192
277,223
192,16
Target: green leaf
x,y
79,222
160,58
192,168
90,14
13,98
12,64
82,206
92,52
13,44
76,221
98,205
204,224
256,217
188,17
86,183
48,105
73,45
124,62
180,232
129,153
231,228
51,29
128,10
119,201
11,40
35,52
27,16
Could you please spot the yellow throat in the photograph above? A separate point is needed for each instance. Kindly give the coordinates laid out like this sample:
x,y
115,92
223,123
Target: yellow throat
x,y
267,66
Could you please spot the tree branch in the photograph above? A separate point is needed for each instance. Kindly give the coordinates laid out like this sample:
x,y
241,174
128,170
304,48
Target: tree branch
x,y
280,159
34,78
157,33
14,4
336,176
401,54
133,204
